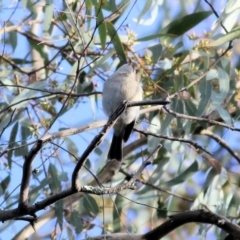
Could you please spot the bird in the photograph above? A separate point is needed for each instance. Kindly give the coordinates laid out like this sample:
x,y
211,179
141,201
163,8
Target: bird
x,y
124,84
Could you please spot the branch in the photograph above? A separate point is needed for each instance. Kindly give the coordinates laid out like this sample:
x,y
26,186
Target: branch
x,y
24,100
175,221
149,102
95,142
13,64
27,171
52,92
213,122
199,216
99,138
156,188
15,27
196,145
222,143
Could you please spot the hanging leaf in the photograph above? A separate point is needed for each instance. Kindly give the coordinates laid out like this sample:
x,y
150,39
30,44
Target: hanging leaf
x,y
180,26
75,220
182,177
90,205
117,211
116,42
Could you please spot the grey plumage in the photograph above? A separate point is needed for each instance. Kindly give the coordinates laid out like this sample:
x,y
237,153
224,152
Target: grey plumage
x,y
124,84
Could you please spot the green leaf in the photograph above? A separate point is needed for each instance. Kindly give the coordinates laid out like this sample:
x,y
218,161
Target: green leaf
x,y
72,148
12,37
90,205
178,106
24,3
117,211
190,107
88,4
234,34
219,97
40,48
4,184
55,184
153,36
12,141
110,6
162,163
224,83
179,26
156,52
205,89
48,16
28,94
212,74
146,8
154,127
75,220
161,209
37,190
20,61
101,25
210,174
59,212
117,43
182,177
224,114
166,123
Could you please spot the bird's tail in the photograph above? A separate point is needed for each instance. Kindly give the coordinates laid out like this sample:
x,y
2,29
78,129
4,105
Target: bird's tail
x,y
115,151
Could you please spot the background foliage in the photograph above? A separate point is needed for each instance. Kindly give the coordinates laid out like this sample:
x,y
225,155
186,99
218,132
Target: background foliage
x,y
55,57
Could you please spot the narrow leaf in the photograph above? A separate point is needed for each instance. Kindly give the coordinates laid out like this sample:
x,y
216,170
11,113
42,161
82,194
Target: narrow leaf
x,y
179,26
55,183
90,205
183,176
116,42
75,220
235,33
117,211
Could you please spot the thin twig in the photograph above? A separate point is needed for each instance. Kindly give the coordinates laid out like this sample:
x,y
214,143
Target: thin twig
x,y
222,143
200,119
196,145
52,92
155,187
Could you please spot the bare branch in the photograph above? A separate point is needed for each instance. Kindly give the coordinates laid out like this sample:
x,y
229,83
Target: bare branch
x,y
95,142
200,216
156,188
26,175
15,27
210,121
196,145
222,143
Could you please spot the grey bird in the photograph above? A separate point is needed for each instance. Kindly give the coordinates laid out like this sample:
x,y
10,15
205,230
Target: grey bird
x,y
124,84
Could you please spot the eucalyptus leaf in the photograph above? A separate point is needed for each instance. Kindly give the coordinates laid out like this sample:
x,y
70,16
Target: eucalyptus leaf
x,y
116,42
55,184
48,16
180,26
59,212
75,220
182,177
117,211
90,205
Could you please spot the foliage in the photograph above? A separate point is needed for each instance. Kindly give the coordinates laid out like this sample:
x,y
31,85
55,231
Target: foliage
x,y
54,59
